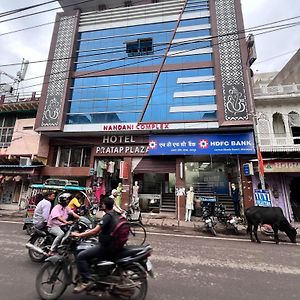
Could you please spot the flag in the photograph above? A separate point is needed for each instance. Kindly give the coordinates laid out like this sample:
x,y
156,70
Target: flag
x,y
260,162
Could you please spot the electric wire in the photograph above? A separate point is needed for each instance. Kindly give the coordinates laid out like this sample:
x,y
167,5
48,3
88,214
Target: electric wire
x,y
21,9
152,58
44,11
253,29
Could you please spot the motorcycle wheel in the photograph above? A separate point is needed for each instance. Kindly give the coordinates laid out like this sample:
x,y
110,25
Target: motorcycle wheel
x,y
51,281
136,275
35,256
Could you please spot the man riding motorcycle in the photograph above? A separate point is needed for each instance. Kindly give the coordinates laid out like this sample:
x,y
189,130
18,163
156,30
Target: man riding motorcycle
x,y
103,250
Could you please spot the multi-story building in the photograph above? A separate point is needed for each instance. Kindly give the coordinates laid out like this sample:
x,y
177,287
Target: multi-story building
x,y
149,91
23,151
277,101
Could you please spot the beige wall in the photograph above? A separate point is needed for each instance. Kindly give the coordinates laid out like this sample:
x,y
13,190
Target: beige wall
x,y
27,141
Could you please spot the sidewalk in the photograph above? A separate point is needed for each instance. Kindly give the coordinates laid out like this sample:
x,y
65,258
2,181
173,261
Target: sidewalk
x,y
162,221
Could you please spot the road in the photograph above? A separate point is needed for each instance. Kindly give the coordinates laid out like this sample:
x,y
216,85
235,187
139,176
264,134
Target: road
x,y
188,267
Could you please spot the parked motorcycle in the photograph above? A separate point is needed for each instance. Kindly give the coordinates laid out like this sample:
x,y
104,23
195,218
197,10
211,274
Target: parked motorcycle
x,y
226,219
124,277
207,215
40,241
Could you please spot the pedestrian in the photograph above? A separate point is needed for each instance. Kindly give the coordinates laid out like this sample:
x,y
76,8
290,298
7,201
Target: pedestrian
x,y
117,208
189,205
42,210
235,196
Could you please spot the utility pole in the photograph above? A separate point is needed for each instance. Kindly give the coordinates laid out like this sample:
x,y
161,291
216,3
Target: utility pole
x,y
251,58
12,88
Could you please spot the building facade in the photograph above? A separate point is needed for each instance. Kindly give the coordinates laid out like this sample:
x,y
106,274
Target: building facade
x,y
150,91
278,113
23,151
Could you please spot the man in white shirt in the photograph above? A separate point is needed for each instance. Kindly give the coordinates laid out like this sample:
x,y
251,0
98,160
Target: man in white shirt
x,y
42,210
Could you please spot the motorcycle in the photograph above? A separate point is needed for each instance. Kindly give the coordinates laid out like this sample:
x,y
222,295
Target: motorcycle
x,y
226,219
123,277
208,219
41,240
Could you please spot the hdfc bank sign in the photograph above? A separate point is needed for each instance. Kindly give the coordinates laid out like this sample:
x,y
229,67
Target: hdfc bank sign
x,y
138,126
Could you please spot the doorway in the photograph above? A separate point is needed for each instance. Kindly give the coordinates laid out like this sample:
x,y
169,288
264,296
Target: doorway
x,y
294,197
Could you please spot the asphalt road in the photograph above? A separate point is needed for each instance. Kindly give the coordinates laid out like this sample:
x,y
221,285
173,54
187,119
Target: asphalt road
x,y
189,267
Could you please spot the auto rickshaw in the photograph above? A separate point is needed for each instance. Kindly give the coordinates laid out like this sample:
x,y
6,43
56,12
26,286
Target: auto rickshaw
x,y
59,186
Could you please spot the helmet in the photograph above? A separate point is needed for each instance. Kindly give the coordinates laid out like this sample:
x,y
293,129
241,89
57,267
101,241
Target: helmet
x,y
63,198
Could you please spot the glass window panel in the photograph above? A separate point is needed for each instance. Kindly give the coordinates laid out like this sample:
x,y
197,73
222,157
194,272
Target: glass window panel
x,y
191,22
86,157
9,121
75,158
64,157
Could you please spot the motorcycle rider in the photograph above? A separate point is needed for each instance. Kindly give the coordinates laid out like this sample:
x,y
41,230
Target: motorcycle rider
x,y
103,250
58,217
42,210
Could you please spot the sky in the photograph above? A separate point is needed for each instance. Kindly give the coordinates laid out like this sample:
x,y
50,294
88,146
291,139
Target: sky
x,y
273,49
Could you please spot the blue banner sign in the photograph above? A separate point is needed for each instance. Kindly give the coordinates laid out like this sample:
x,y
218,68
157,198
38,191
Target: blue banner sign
x,y
208,198
262,198
193,144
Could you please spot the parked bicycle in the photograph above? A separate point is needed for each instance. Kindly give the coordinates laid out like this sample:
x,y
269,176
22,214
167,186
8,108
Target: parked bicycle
x,y
137,234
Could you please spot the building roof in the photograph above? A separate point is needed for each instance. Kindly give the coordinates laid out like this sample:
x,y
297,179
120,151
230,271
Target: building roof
x,y
95,5
290,73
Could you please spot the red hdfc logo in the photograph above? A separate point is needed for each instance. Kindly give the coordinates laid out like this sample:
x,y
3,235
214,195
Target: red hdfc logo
x,y
203,144
152,144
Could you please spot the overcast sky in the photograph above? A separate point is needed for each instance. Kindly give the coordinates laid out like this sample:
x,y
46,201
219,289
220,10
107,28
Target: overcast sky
x,y
273,49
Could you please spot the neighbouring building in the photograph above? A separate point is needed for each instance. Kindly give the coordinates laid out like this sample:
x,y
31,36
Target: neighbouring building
x,y
23,151
150,91
277,101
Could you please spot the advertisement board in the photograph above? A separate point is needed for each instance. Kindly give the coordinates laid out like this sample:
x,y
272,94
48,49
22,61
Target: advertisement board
x,y
193,144
262,198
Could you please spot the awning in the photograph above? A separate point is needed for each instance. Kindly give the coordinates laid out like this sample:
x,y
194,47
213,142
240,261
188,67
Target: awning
x,y
19,170
156,165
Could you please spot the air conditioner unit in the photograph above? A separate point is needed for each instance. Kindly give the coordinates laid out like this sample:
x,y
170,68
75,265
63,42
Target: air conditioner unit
x,y
25,161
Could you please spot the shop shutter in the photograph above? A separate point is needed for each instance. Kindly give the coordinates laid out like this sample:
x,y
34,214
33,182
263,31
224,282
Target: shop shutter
x,y
156,165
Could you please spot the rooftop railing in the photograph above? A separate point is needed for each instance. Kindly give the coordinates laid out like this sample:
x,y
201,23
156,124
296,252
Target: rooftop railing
x,y
277,90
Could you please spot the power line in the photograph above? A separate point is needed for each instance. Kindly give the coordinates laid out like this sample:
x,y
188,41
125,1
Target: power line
x,y
257,28
99,71
44,11
17,10
271,58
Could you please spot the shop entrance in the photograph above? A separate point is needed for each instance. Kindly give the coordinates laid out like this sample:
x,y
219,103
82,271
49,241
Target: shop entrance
x,y
294,197
156,178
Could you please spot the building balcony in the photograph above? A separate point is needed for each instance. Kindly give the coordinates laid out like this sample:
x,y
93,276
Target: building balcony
x,y
9,103
286,91
270,143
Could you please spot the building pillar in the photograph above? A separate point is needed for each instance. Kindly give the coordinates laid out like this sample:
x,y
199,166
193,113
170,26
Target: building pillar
x,y
180,183
127,183
247,188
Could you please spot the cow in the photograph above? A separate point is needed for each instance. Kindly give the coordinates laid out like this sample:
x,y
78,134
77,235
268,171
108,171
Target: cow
x,y
269,215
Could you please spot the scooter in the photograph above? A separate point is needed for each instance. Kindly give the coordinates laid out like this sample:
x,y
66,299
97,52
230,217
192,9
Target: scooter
x,y
209,220
226,219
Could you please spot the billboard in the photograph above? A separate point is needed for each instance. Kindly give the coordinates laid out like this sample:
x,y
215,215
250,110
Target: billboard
x,y
197,144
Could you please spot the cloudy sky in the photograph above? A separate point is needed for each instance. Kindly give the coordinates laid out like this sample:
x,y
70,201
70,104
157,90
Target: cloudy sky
x,y
273,49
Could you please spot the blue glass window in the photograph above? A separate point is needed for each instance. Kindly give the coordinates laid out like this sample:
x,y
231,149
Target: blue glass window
x,y
122,98
192,22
